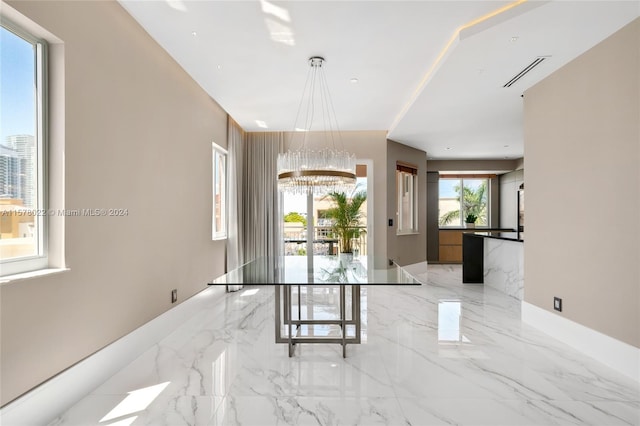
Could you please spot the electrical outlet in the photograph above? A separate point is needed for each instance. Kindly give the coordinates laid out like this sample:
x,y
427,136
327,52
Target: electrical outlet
x,y
557,304
174,295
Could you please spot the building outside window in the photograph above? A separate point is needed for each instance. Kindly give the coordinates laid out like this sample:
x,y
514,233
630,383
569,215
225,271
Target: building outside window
x,y
23,128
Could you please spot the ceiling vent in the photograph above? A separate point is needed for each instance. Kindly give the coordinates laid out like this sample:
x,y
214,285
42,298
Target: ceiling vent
x,y
526,69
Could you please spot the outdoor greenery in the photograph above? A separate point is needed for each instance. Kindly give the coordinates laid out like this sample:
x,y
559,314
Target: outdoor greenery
x,y
346,217
474,202
295,217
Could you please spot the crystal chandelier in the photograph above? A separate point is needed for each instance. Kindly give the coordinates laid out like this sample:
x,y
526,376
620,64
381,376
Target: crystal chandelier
x,y
324,170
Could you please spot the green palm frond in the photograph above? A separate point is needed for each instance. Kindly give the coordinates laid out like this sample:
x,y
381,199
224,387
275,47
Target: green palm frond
x,y
449,217
346,216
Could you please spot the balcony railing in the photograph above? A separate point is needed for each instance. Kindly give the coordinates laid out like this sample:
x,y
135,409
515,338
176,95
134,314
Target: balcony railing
x,y
325,241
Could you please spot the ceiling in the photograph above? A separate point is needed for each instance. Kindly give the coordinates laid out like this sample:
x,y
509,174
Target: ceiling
x,y
431,73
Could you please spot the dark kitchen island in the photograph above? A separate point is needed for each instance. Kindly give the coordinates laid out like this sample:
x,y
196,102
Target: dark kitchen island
x,y
495,259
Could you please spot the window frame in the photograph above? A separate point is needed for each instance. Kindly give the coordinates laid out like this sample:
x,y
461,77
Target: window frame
x,y
461,179
219,152
40,260
406,175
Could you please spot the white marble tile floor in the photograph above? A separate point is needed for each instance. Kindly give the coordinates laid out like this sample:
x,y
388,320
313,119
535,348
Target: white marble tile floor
x,y
443,353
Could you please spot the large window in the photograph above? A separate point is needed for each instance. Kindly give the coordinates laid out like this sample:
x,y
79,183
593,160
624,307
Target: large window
x,y
23,213
462,196
219,222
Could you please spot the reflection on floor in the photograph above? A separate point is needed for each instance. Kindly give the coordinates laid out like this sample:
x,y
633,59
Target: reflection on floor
x,y
442,353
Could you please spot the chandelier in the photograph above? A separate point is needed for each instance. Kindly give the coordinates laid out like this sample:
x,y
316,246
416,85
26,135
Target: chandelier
x,y
323,170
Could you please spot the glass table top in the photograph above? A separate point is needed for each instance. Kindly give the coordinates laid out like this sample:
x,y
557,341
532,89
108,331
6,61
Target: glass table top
x,y
295,270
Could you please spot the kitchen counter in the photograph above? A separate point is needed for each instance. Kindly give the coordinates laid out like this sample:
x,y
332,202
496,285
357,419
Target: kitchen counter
x,y
500,235
495,259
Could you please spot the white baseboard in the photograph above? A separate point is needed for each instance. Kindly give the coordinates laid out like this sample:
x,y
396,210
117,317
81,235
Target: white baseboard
x,y
614,353
47,401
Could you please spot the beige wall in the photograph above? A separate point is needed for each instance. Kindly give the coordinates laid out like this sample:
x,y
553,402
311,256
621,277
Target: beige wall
x,y
582,142
365,145
406,249
137,135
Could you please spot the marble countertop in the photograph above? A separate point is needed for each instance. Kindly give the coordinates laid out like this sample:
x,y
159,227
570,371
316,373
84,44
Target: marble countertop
x,y
477,228
509,236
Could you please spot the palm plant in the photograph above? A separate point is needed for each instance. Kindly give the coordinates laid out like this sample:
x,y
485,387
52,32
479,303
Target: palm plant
x,y
346,217
474,202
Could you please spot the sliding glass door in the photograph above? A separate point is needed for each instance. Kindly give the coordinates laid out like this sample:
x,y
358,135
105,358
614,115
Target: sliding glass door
x,y
315,225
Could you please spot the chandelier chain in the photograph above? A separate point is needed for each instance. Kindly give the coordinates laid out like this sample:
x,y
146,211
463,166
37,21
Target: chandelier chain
x,y
329,101
326,169
302,98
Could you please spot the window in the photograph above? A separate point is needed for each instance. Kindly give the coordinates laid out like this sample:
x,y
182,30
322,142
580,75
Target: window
x,y
219,222
407,190
461,196
23,94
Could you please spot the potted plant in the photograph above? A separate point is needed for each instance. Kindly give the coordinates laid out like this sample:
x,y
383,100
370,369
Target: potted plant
x,y
470,220
346,217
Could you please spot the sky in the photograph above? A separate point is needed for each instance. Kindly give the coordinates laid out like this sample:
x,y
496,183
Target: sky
x,y
447,186
17,98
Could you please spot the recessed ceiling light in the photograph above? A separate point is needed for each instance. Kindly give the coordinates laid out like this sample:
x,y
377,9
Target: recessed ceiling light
x,y
514,38
261,123
354,80
193,33
219,66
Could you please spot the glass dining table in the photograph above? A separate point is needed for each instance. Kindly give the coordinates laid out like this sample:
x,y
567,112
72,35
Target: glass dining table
x,y
317,298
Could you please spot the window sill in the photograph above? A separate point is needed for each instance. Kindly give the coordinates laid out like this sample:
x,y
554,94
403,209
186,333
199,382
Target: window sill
x,y
407,233
32,274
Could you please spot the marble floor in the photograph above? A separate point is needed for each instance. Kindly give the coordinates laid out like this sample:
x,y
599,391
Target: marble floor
x,y
441,353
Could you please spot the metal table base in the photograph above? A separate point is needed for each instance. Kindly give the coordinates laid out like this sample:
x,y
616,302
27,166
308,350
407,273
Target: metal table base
x,y
284,318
